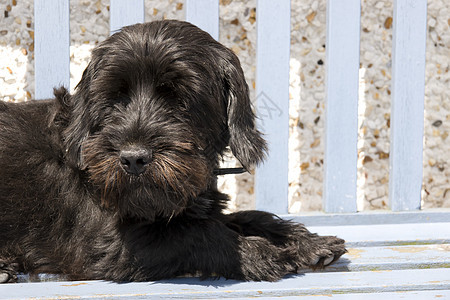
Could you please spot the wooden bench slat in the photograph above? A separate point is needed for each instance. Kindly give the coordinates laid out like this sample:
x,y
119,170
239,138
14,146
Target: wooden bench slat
x,y
409,295
272,103
304,284
52,44
407,111
371,217
388,234
394,258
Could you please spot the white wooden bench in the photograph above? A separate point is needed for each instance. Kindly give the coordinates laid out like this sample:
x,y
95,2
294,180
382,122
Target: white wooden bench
x,y
403,253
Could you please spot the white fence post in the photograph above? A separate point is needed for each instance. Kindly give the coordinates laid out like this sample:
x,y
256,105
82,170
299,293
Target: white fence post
x,y
408,87
272,89
341,122
205,15
125,12
52,46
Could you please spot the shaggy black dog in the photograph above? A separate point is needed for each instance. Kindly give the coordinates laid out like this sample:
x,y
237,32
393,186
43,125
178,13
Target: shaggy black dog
x,y
118,180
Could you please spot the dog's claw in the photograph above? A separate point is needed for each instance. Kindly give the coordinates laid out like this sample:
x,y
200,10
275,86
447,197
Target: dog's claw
x,y
315,261
4,277
328,260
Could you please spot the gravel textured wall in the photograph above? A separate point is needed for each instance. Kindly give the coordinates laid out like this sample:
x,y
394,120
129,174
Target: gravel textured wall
x,y
89,26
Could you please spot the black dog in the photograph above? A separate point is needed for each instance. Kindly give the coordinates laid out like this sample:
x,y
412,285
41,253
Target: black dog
x,y
118,180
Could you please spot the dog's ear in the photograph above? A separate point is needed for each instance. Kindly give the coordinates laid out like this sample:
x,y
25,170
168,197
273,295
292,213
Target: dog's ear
x,y
245,141
62,118
61,111
82,120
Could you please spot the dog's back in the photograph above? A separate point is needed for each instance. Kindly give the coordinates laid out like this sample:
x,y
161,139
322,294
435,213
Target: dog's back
x,y
26,136
27,146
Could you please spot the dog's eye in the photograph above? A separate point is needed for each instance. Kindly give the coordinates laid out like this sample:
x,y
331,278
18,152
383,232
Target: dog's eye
x,y
165,89
168,92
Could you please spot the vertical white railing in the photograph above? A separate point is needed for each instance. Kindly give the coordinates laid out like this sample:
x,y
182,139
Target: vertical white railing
x,y
408,88
272,88
205,15
52,46
341,120
52,41
124,13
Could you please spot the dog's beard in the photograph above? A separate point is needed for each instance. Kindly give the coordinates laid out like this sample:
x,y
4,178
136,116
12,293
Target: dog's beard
x,y
175,174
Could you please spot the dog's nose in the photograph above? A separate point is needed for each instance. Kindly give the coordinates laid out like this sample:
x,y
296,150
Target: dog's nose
x,y
134,161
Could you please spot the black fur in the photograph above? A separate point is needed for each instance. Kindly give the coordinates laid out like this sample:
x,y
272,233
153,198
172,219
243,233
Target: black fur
x,y
70,205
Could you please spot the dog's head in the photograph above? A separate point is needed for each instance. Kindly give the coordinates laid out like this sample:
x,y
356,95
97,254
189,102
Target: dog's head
x,y
153,112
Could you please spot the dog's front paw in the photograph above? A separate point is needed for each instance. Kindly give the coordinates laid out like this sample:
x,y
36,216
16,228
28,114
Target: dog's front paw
x,y
324,250
263,261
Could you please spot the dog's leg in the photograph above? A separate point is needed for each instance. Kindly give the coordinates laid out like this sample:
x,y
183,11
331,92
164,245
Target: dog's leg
x,y
313,251
208,247
8,271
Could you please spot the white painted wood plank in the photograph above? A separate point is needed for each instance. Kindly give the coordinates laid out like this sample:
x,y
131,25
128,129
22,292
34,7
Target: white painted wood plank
x,y
304,284
205,15
408,86
272,88
341,122
408,295
393,258
52,46
388,234
371,218
125,12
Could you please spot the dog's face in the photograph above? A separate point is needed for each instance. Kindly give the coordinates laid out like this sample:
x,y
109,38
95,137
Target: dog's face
x,y
153,112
